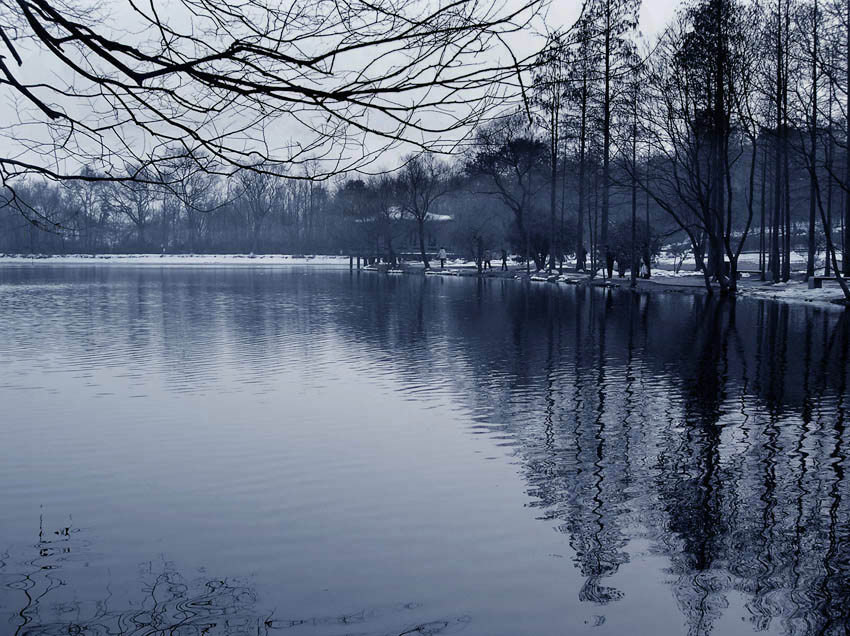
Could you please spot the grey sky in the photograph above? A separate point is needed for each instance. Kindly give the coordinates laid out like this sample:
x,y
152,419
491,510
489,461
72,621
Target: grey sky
x,y
654,14
561,13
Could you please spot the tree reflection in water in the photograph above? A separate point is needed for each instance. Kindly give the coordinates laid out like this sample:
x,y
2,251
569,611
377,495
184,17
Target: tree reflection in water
x,y
718,436
728,452
713,432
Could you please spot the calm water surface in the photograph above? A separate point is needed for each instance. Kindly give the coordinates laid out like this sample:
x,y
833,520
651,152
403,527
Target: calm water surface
x,y
306,451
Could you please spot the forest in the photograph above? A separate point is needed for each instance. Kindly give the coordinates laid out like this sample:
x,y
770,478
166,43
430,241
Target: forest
x,y
725,133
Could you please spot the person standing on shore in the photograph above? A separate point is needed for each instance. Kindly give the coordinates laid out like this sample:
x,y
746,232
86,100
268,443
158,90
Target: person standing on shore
x,y
442,256
504,260
487,257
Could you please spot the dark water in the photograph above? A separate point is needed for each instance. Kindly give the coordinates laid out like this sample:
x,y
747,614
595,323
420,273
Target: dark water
x,y
303,451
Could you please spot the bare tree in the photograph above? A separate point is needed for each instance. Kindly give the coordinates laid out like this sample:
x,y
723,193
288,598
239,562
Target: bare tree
x,y
423,180
613,21
511,161
90,217
815,24
780,28
846,252
581,116
134,200
223,80
699,81
550,96
372,206
193,187
260,193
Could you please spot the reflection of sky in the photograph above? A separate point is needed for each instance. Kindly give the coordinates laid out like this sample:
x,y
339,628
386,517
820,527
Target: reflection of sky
x,y
266,446
352,442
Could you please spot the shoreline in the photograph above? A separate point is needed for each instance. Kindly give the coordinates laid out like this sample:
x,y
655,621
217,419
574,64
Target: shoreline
x,y
794,292
663,281
174,259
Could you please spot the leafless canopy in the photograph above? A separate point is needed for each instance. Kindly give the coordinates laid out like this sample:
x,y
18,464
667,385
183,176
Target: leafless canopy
x,y
245,83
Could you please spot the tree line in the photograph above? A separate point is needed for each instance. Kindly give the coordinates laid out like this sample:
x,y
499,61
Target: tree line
x,y
725,134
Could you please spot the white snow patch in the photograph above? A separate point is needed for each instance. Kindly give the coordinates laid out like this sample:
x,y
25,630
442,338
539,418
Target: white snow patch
x,y
668,273
797,292
747,260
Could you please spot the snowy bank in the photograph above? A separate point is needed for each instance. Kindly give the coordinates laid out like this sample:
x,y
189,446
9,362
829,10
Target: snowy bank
x,y
797,292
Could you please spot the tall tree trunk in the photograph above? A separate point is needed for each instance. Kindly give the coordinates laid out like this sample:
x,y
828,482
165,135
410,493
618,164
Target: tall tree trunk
x,y
786,151
775,260
582,160
594,225
786,263
830,149
777,166
845,256
721,160
552,199
813,145
420,227
606,150
830,248
762,237
634,191
647,246
523,237
562,255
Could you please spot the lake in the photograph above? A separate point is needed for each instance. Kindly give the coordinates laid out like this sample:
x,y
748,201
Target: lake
x,y
293,451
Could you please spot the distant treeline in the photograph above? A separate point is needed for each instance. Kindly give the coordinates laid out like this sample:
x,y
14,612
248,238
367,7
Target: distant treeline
x,y
727,133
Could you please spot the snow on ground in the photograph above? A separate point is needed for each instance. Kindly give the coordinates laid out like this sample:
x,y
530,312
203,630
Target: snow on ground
x,y
747,260
174,259
797,292
669,273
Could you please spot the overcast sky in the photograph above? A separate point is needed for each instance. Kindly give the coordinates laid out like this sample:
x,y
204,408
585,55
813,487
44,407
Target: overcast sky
x,y
655,14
